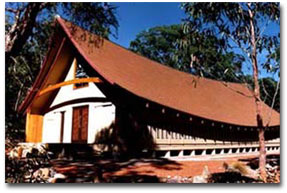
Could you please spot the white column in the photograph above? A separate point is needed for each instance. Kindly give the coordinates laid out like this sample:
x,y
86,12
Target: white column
x,y
167,154
238,150
192,153
203,152
180,153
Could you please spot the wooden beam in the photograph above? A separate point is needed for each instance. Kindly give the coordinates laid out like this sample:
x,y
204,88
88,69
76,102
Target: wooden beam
x,y
34,127
69,82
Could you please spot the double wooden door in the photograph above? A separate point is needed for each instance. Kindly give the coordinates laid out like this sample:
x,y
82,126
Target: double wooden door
x,y
80,124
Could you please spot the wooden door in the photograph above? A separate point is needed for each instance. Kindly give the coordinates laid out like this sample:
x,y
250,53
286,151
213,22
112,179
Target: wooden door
x,y
80,124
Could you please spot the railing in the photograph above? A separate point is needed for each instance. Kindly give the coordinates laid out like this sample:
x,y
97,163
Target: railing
x,y
170,140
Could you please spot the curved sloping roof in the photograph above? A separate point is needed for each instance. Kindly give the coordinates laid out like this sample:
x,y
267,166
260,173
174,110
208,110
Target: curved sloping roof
x,y
230,103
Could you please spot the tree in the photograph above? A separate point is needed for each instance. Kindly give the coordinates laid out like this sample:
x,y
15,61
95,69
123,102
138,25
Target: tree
x,y
240,26
28,27
161,44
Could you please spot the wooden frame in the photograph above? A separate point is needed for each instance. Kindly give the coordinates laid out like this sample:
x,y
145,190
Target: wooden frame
x,y
69,82
77,133
34,127
62,126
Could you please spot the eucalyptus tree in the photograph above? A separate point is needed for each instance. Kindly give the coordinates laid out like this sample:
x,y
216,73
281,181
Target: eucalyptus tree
x,y
162,44
242,27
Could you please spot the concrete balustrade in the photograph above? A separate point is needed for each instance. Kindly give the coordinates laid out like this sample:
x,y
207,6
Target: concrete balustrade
x,y
192,153
203,152
175,144
213,152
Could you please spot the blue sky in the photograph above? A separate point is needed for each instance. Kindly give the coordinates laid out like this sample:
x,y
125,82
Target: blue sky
x,y
136,17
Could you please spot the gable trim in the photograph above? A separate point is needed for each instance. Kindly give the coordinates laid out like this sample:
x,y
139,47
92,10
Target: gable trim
x,y
42,77
69,82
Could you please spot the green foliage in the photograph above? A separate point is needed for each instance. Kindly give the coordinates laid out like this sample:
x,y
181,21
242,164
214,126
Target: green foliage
x,y
274,58
98,18
162,45
159,44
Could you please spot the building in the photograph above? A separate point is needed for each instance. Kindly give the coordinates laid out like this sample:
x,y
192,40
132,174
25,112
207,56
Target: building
x,y
90,90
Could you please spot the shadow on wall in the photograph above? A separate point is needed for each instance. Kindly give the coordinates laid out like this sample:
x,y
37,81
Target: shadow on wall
x,y
128,138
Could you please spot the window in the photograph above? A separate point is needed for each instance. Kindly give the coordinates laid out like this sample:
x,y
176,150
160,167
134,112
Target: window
x,y
80,73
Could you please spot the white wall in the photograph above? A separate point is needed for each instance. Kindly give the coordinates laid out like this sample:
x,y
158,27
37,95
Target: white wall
x,y
51,127
99,116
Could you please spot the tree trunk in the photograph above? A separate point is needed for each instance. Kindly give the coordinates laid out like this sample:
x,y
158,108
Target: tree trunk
x,y
22,29
261,137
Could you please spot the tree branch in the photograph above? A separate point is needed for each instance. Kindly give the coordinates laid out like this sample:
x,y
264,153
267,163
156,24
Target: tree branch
x,y
273,103
15,11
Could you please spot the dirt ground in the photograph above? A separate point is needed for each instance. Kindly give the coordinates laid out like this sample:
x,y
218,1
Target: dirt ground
x,y
182,168
146,170
178,168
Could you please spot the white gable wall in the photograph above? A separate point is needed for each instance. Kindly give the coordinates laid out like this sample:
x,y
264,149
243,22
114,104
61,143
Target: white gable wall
x,y
99,116
69,93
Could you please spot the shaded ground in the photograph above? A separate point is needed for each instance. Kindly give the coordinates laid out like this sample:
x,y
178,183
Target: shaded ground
x,y
81,164
182,168
109,170
149,170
